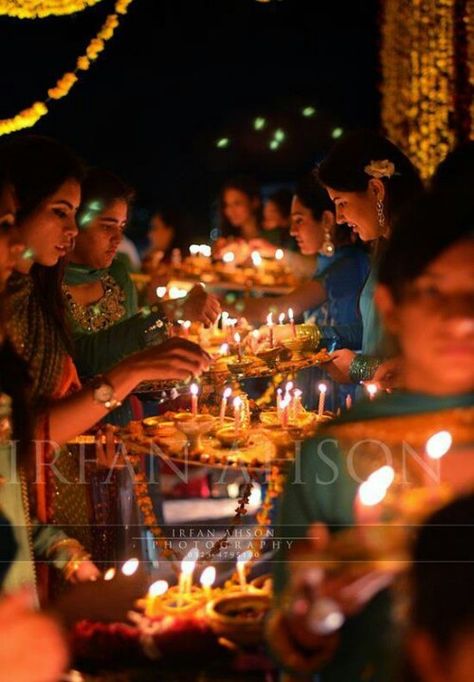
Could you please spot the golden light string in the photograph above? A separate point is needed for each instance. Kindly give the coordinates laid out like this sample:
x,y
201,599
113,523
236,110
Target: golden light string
x,y
417,58
27,118
39,9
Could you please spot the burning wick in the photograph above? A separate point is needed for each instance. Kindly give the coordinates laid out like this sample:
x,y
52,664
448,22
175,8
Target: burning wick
x,y
161,292
228,257
239,347
242,560
194,399
188,565
279,254
256,258
270,328
292,322
237,412
225,396
109,574
438,445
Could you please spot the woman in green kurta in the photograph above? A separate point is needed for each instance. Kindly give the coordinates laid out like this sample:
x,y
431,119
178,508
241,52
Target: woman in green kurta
x,y
102,304
370,182
427,302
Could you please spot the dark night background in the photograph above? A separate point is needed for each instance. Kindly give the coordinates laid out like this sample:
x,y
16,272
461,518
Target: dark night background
x,y
180,74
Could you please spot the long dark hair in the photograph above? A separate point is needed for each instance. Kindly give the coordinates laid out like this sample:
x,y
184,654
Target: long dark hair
x,y
247,186
99,189
14,377
314,197
37,166
343,169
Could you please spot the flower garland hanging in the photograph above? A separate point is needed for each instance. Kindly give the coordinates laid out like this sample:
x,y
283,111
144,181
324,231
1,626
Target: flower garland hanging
x,y
30,116
39,9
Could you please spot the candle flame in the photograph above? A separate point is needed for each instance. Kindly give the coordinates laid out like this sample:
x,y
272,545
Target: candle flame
x,y
224,349
374,489
297,393
158,588
290,314
438,444
194,388
270,319
237,402
256,334
372,389
289,386
205,250
208,576
224,316
281,318
256,258
161,292
279,254
228,257
186,324
227,392
322,388
130,567
194,249
237,337
109,574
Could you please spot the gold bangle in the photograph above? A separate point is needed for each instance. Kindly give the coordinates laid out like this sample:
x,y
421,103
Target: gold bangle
x,y
65,543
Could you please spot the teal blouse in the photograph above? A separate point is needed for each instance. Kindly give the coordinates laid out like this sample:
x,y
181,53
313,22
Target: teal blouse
x,y
319,489
95,352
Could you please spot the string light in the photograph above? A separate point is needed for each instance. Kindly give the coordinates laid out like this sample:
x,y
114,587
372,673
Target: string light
x,y
222,143
28,117
259,123
419,68
39,9
308,112
337,133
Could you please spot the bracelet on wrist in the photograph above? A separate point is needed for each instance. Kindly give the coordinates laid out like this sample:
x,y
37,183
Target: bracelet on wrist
x,y
363,368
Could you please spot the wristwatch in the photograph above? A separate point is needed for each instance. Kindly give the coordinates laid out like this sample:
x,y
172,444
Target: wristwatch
x,y
103,392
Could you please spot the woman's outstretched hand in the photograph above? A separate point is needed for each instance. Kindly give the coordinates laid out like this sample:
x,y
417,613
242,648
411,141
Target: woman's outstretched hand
x,y
176,358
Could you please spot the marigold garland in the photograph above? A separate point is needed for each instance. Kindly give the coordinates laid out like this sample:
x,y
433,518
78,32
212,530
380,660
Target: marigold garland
x,y
30,116
39,9
419,69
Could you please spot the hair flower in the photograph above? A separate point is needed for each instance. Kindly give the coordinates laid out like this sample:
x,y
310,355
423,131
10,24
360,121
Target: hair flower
x,y
380,169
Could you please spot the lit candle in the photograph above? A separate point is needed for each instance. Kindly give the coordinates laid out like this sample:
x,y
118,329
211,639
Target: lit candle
x,y
284,411
239,347
109,574
130,567
153,598
224,318
371,493
254,339
224,349
194,399
292,322
270,329
242,560
322,397
372,390
279,399
188,565
186,326
297,406
279,254
207,579
348,401
237,412
228,257
225,396
194,249
205,250
281,318
436,447
256,258
161,292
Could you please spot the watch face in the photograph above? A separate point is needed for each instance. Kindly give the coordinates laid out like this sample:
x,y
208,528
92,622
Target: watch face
x,y
103,393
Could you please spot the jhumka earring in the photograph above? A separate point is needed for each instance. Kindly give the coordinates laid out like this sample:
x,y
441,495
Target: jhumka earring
x,y
328,245
380,213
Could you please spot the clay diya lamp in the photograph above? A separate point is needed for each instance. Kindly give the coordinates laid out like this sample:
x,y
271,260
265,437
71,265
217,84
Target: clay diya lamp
x,y
307,340
194,427
229,436
239,617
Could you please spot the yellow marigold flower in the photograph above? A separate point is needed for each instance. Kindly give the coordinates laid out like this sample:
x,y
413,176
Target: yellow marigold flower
x,y
121,6
83,63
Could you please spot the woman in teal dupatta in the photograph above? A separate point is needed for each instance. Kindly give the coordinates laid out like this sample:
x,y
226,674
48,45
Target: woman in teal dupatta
x,y
107,325
427,302
370,182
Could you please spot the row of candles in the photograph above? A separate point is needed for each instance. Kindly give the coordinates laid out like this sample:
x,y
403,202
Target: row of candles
x,y
240,405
